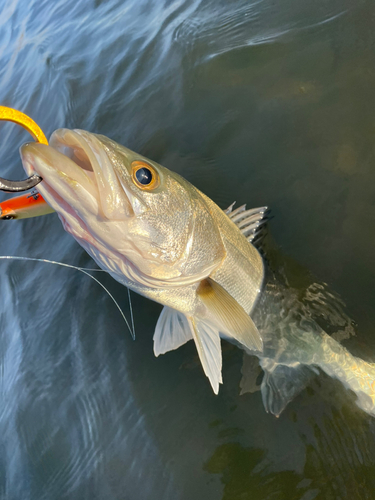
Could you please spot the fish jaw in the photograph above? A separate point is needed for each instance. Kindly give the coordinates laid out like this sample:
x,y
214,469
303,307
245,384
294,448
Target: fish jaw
x,y
92,207
77,169
78,182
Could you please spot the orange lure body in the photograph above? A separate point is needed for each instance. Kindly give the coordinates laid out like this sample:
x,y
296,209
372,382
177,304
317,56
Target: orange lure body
x,y
30,204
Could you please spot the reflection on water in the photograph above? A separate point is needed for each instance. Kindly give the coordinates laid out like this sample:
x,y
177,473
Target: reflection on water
x,y
264,103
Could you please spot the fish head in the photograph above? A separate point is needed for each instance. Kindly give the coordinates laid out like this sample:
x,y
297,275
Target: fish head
x,y
137,219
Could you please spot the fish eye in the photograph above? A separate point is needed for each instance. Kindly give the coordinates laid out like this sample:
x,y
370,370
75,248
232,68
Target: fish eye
x,y
7,217
144,175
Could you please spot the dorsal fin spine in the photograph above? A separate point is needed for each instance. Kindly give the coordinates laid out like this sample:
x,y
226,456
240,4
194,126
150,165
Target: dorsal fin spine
x,y
251,222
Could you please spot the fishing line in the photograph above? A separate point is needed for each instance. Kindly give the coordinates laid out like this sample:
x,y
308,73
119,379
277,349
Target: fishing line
x,y
131,314
84,271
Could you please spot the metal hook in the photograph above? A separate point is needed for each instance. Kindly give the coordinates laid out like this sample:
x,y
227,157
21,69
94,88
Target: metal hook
x,y
12,115
18,186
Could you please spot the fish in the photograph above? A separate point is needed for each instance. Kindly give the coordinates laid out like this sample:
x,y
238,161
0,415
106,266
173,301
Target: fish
x,y
161,237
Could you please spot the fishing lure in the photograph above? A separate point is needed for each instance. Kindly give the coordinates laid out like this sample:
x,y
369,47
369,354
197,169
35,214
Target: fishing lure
x,y
30,204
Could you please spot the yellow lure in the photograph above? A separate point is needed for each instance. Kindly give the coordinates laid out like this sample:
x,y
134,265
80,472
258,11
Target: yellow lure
x,y
24,206
13,115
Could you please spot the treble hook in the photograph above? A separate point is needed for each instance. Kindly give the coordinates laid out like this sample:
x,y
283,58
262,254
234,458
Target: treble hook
x,y
12,115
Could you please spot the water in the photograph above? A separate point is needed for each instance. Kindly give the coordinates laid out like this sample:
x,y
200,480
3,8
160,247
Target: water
x,y
261,102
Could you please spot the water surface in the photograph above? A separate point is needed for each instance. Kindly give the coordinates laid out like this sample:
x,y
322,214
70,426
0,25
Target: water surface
x,y
266,103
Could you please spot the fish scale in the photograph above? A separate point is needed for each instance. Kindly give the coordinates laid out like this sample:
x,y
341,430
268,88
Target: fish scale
x,y
242,271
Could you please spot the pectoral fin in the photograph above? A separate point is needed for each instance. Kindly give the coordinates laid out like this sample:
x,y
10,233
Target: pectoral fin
x,y
229,315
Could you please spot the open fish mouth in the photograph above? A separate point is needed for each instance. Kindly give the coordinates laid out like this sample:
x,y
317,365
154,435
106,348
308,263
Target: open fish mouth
x,y
77,175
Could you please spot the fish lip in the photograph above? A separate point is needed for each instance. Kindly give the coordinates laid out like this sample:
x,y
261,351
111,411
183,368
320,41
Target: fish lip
x,y
86,164
35,154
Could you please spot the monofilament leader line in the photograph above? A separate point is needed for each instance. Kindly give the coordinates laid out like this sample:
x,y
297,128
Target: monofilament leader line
x,y
84,271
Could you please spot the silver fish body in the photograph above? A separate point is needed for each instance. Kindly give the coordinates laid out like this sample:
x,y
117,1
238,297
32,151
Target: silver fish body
x,y
163,239
160,236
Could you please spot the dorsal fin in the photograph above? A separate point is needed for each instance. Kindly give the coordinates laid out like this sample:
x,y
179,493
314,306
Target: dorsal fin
x,y
251,222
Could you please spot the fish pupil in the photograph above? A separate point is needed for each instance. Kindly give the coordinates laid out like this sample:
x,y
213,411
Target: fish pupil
x,y
144,176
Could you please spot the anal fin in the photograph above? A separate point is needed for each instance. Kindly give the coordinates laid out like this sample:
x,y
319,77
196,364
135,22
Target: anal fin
x,y
282,383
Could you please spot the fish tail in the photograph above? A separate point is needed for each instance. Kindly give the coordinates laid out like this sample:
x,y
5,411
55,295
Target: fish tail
x,y
282,382
354,373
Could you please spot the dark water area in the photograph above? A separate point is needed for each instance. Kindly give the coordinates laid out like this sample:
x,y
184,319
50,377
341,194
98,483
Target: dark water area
x,y
266,103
